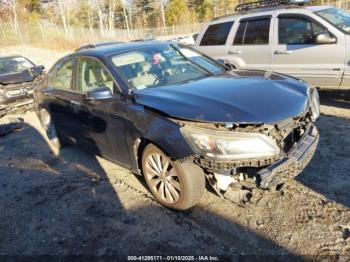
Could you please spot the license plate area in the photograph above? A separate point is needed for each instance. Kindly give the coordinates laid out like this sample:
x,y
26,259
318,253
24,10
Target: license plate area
x,y
13,93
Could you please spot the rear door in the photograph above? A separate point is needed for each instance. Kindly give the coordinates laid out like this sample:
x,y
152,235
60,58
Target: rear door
x,y
298,54
251,47
213,41
60,95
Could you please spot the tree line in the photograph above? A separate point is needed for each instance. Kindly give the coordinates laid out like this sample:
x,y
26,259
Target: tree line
x,y
106,15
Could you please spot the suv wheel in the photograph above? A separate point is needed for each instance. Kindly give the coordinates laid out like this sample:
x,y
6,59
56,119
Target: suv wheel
x,y
50,128
174,184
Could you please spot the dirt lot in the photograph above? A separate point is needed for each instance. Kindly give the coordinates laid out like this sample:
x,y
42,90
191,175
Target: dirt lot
x,y
39,56
78,204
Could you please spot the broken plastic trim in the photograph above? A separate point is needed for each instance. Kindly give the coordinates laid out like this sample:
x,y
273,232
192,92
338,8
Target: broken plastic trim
x,y
295,161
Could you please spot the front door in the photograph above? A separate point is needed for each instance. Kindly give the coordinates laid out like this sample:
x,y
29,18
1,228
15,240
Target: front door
x,y
298,54
102,119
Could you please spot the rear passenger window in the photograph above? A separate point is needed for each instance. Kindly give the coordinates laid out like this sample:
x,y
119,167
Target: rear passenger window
x,y
64,74
216,34
298,31
240,34
253,32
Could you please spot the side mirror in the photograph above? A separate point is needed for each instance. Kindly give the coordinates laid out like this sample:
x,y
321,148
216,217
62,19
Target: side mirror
x,y
99,93
220,61
41,68
325,38
195,36
37,70
226,63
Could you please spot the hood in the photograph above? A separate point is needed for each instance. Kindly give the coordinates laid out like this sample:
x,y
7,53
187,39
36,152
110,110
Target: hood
x,y
15,78
246,97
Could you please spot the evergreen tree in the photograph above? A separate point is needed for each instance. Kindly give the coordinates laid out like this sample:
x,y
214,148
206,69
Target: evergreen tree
x,y
176,12
204,9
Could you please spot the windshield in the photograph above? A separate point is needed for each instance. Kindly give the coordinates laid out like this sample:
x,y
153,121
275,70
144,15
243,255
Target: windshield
x,y
164,65
337,17
14,65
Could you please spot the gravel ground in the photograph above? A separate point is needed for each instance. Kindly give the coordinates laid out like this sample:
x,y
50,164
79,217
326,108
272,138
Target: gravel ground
x,y
74,203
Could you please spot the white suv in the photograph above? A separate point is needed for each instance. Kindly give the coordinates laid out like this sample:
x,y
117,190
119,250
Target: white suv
x,y
309,42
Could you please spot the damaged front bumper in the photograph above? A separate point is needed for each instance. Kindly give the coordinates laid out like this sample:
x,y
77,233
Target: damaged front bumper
x,y
14,105
293,163
16,97
264,173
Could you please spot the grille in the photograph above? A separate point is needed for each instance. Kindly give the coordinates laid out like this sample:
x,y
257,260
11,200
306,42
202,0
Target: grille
x,y
219,165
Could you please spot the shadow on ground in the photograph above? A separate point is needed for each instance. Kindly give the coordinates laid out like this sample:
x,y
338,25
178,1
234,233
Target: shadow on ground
x,y
329,171
336,98
68,205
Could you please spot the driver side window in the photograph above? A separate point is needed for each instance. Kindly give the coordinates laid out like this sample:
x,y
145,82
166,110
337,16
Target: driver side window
x,y
92,74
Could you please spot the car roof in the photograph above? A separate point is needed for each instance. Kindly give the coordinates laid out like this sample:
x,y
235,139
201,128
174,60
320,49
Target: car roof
x,y
272,9
116,48
319,7
11,56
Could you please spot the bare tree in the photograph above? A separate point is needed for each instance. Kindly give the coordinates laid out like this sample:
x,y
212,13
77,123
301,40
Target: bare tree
x,y
2,30
162,4
111,17
126,20
90,20
13,7
63,17
98,5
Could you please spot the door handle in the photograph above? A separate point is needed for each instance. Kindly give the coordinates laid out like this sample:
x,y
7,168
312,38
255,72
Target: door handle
x,y
48,94
283,52
75,103
236,52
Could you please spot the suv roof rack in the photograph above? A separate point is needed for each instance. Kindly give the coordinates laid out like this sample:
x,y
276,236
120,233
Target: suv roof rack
x,y
98,44
146,39
269,3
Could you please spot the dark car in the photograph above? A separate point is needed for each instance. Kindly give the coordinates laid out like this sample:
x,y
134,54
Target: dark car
x,y
18,77
177,117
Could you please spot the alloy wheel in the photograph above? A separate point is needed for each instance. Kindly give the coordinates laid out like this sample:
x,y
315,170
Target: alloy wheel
x,y
162,178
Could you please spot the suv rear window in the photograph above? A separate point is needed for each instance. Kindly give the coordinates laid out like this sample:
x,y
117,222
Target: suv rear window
x,y
253,32
216,34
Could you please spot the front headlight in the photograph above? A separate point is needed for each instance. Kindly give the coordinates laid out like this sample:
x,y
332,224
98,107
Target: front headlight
x,y
229,145
314,103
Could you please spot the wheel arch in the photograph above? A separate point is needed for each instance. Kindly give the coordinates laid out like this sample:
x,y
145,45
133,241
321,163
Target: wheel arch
x,y
139,145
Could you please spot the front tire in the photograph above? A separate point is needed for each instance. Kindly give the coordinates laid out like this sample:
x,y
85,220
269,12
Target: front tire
x,y
175,185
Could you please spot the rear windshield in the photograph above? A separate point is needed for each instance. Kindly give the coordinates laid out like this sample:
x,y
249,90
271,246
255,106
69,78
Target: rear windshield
x,y
337,17
163,66
14,65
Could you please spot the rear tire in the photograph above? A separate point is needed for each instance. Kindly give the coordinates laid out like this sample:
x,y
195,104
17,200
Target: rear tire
x,y
50,129
174,184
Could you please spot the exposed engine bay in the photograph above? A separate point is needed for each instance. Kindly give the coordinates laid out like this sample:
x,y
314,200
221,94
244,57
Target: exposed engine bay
x,y
18,77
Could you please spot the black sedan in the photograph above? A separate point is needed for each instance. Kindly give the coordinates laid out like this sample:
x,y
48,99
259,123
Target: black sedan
x,y
179,118
18,77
